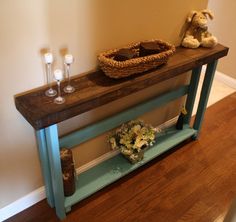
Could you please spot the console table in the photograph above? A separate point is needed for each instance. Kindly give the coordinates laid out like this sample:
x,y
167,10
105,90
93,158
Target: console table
x,y
95,89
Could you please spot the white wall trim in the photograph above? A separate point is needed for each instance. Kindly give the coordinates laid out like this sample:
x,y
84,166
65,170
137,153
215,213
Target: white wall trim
x,y
96,161
222,77
110,154
22,203
39,194
227,80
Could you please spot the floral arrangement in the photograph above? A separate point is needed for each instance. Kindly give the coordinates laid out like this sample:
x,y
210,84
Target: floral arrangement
x,y
132,138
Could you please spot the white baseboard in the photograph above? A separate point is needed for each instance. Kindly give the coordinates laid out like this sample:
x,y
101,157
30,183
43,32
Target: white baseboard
x,y
39,194
22,203
222,77
96,161
227,80
110,154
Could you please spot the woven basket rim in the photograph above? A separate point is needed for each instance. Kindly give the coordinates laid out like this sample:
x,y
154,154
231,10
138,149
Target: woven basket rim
x,y
105,57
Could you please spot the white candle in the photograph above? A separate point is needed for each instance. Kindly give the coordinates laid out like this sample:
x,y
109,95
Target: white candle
x,y
48,58
58,75
69,59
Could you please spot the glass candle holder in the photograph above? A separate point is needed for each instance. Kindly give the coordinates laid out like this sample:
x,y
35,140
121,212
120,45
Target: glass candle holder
x,y
48,59
58,76
68,60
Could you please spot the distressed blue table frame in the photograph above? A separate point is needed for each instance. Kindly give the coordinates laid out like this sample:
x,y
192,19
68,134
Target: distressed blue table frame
x,y
45,119
49,143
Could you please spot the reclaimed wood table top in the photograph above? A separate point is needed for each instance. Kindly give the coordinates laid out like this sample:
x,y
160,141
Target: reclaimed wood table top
x,y
94,89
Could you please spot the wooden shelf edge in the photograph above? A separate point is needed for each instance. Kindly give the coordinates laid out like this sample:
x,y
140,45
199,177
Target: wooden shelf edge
x,y
94,89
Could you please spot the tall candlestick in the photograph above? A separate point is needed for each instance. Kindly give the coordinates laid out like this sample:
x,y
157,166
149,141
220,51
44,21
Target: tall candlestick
x,y
58,76
48,59
68,60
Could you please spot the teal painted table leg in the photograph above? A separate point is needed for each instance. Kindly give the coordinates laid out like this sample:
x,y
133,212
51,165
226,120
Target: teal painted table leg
x,y
42,147
205,92
192,93
56,173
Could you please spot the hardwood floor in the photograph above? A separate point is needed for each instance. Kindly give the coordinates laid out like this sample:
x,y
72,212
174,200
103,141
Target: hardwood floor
x,y
195,182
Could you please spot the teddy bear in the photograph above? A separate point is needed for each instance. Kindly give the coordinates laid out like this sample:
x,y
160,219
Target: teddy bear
x,y
197,33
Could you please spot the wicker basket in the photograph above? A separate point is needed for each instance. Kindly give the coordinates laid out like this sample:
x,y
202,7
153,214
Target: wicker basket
x,y
120,69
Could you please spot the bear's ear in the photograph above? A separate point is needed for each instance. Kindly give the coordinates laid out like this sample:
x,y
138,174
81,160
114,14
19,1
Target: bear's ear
x,y
191,15
207,12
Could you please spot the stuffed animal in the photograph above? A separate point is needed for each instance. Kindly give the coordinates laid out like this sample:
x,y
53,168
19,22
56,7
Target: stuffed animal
x,y
197,32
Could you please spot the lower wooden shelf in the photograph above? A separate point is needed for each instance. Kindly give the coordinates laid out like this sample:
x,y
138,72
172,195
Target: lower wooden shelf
x,y
116,167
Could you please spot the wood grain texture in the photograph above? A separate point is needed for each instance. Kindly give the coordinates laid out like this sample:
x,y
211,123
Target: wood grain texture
x,y
95,89
196,183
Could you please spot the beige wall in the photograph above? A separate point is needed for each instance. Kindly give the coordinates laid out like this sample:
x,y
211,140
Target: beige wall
x,y
223,27
23,32
83,28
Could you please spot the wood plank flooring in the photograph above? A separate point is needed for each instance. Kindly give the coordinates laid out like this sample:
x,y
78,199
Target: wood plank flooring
x,y
195,182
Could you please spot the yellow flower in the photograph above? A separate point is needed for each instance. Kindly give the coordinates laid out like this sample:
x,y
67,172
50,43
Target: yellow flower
x,y
132,137
139,143
126,152
136,129
113,143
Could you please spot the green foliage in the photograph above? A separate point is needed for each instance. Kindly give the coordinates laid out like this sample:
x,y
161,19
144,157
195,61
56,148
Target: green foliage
x,y
132,138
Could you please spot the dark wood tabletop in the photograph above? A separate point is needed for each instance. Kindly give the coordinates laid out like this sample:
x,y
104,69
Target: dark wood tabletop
x,y
95,88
